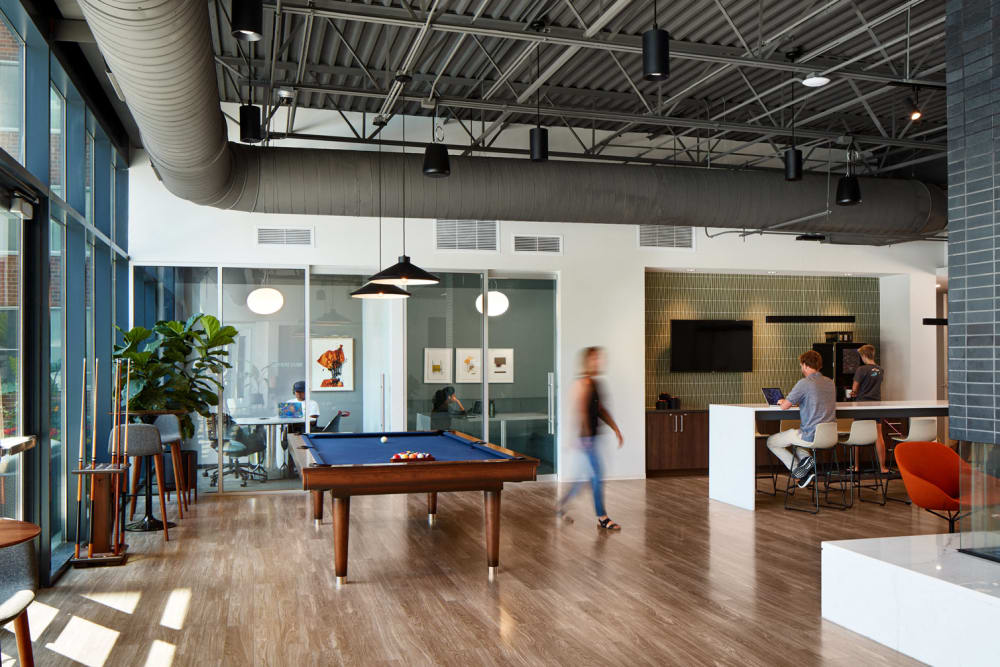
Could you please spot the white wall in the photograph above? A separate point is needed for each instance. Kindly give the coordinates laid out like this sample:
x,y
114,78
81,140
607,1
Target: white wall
x,y
600,299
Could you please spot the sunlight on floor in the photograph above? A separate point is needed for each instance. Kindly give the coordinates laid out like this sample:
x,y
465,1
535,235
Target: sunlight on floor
x,y
125,601
176,609
161,654
39,617
85,642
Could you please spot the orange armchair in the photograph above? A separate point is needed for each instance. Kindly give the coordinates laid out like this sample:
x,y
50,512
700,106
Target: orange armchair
x,y
931,473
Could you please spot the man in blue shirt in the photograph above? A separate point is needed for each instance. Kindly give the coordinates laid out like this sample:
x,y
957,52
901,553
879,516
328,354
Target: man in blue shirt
x,y
816,397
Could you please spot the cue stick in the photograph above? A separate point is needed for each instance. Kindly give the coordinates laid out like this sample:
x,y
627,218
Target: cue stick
x,y
128,386
79,478
93,449
115,398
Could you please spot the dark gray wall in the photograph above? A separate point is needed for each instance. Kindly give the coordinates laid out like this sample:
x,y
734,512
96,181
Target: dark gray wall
x,y
973,52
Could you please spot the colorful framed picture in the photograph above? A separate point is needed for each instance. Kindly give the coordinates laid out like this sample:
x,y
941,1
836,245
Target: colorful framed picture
x,y
332,364
437,365
468,364
500,365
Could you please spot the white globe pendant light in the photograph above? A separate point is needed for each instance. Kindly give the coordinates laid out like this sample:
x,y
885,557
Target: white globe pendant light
x,y
499,303
265,300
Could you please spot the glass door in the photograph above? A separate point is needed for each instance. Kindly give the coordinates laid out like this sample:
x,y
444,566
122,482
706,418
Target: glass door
x,y
58,461
10,362
520,366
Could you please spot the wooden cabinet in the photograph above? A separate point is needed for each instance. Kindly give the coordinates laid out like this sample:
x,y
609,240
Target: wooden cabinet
x,y
676,440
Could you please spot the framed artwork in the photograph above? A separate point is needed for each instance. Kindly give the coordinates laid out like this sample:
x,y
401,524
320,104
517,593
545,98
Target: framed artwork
x,y
437,365
332,364
468,364
500,366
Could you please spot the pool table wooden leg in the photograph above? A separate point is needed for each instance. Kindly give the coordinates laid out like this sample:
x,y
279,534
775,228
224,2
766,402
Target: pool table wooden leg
x,y
341,528
432,508
492,499
317,506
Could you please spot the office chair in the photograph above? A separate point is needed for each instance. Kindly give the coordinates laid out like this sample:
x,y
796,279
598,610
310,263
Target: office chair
x,y
238,444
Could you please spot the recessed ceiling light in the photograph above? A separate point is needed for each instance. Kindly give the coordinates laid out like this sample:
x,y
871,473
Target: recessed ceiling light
x,y
937,285
691,270
772,272
814,80
848,274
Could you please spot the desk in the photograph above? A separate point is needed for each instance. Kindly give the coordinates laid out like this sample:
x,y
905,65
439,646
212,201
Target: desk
x,y
271,424
353,464
15,532
731,445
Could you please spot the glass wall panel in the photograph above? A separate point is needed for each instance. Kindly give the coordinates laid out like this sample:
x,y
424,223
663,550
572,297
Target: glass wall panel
x,y
268,359
90,343
57,143
336,325
10,360
88,178
444,341
11,91
521,367
58,453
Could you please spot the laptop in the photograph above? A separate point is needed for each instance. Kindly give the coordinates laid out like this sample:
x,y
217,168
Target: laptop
x,y
772,395
290,410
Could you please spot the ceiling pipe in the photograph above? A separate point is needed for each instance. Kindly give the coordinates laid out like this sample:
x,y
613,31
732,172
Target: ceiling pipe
x,y
162,56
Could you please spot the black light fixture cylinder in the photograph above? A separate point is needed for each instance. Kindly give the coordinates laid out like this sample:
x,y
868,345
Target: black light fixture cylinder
x,y
848,188
793,164
539,144
655,54
436,162
248,20
250,129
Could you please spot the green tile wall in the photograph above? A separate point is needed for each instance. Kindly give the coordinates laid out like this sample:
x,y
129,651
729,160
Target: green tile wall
x,y
683,296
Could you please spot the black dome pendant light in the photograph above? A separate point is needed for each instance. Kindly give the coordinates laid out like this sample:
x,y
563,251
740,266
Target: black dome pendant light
x,y
372,290
848,188
655,52
538,136
404,272
247,22
793,156
436,162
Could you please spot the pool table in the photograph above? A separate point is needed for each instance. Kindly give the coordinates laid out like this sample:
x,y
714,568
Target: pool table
x,y
356,464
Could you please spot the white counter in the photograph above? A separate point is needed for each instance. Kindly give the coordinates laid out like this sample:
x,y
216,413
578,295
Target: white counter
x,y
732,449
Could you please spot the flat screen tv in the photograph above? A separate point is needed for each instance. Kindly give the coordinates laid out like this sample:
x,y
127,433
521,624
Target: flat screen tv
x,y
711,345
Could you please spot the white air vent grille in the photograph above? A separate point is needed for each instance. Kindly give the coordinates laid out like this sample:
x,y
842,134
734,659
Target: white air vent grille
x,y
662,236
275,236
538,245
466,235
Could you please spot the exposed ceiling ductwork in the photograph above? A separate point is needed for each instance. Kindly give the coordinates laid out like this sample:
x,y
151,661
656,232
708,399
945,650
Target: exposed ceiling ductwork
x,y
161,56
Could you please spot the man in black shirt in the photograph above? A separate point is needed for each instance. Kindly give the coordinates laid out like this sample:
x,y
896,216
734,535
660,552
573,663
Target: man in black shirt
x,y
868,378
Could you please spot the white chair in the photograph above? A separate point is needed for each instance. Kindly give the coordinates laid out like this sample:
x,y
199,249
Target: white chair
x,y
825,437
863,434
922,429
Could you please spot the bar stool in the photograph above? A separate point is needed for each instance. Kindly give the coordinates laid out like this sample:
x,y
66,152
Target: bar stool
x,y
169,427
142,441
783,425
825,437
863,434
18,583
922,429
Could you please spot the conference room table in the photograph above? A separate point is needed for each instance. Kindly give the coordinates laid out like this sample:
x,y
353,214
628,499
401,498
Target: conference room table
x,y
271,425
732,429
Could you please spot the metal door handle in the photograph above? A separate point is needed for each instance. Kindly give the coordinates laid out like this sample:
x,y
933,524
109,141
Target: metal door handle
x,y
682,423
675,423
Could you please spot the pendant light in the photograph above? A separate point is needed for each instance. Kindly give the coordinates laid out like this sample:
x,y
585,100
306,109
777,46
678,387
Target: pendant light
x,y
248,20
538,136
655,52
404,272
250,128
265,300
793,156
436,162
914,103
848,188
372,290
498,303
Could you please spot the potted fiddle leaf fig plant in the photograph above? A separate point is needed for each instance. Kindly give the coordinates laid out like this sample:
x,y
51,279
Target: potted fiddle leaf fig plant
x,y
175,366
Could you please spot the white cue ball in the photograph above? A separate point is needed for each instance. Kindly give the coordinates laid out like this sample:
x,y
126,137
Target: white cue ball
x,y
383,439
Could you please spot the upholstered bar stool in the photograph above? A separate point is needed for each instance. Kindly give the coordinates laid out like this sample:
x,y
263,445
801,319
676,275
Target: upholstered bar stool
x,y
18,583
922,429
862,436
142,441
169,427
824,438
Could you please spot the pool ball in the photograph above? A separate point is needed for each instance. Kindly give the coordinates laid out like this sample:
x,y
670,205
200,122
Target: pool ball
x,y
383,439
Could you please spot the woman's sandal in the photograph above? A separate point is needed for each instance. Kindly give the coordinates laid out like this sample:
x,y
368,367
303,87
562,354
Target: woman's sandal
x,y
608,524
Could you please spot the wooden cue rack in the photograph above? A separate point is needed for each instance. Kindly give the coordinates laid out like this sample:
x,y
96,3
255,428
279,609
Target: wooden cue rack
x,y
106,498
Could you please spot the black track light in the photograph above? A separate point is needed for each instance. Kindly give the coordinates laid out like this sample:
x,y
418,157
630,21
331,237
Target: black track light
x,y
436,162
655,52
914,104
848,188
248,20
793,164
250,129
539,137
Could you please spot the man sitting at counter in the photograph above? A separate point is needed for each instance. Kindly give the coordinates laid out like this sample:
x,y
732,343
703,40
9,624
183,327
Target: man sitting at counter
x,y
816,397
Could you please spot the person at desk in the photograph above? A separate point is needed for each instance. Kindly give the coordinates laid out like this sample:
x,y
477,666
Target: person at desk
x,y
445,406
299,390
816,397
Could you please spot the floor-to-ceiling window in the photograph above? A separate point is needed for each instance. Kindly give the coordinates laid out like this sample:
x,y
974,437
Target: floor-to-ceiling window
x,y
11,91
10,360
59,453
57,143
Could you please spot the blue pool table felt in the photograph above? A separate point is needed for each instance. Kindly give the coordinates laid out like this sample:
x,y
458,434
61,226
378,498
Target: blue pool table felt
x,y
367,448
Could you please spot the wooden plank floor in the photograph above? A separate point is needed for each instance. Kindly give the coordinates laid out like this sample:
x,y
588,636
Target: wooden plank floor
x,y
248,580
